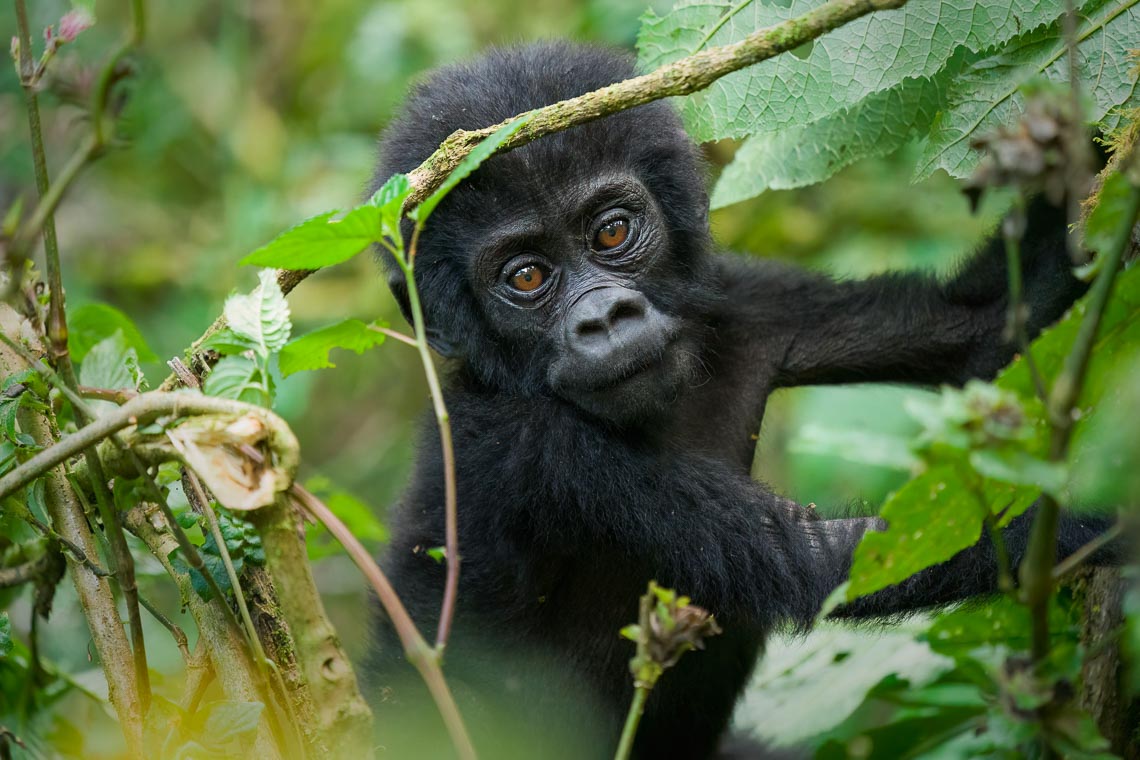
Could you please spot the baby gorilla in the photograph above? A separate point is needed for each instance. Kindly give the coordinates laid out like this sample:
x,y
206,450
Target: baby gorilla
x,y
607,373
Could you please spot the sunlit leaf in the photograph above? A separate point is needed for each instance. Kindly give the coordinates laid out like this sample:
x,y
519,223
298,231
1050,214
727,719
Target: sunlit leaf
x,y
312,351
262,317
321,241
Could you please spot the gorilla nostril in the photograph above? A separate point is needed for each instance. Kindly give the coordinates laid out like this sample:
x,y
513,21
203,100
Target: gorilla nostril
x,y
625,311
591,328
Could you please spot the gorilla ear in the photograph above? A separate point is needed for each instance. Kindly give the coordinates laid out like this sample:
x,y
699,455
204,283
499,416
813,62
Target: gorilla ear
x,y
436,339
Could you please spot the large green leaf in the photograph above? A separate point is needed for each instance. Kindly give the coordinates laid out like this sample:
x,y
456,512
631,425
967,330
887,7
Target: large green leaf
x,y
312,351
321,241
987,94
801,155
92,322
839,69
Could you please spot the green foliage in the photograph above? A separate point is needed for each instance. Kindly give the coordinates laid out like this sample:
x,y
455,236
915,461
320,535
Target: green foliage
x,y
242,543
258,326
94,322
111,363
358,517
940,72
5,635
322,241
312,351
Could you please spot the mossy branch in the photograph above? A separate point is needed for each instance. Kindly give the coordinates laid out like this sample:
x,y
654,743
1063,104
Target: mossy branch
x,y
682,77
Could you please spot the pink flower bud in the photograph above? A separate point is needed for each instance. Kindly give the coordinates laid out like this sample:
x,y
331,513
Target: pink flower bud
x,y
74,23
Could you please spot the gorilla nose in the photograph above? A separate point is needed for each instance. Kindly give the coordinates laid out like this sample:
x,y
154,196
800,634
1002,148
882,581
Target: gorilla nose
x,y
610,319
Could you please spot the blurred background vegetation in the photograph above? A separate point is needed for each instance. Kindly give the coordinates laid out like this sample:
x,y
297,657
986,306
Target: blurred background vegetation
x,y
243,118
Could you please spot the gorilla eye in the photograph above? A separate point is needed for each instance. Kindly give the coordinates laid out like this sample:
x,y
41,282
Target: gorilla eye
x,y
527,279
612,235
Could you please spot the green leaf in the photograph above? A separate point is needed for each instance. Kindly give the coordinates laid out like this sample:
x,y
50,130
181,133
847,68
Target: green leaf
x,y
930,519
262,317
5,635
227,342
238,377
321,241
111,363
1102,228
312,351
93,322
987,93
800,155
470,163
1021,468
390,200
854,445
438,553
225,720
874,53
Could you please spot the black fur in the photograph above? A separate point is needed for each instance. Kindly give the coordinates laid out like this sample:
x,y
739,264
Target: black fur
x,y
572,498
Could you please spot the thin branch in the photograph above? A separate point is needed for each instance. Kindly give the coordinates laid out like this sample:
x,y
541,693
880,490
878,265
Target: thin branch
x,y
683,77
443,421
146,408
1012,229
176,633
1077,558
417,650
394,334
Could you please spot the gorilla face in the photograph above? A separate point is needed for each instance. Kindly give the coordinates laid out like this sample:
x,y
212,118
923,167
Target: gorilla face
x,y
573,266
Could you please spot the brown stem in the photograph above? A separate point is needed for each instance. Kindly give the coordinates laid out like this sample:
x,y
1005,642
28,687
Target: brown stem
x,y
417,650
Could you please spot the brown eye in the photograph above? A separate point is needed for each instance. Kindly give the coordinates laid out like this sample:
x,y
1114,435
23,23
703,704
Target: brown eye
x,y
527,279
612,235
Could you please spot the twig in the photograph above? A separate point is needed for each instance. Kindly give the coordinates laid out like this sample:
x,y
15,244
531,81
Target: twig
x,y
1077,558
177,633
1012,228
114,395
443,421
397,335
682,77
417,650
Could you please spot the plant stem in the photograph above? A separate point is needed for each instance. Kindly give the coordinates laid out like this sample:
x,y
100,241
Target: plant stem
x,y
636,709
1037,567
443,421
417,650
1012,228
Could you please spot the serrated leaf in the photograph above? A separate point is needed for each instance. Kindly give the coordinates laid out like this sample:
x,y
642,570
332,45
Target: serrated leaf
x,y
930,519
111,363
873,53
389,199
237,377
321,241
800,155
312,351
93,322
986,94
469,164
262,317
